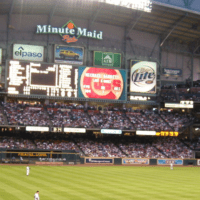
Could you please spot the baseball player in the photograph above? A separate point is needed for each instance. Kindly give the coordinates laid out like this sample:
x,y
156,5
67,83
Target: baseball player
x,y
27,170
171,165
36,196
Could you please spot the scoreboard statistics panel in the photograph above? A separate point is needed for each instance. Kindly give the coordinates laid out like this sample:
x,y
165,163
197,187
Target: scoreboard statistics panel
x,y
31,78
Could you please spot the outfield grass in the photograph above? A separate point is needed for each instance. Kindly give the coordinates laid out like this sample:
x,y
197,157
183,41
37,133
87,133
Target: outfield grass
x,y
106,182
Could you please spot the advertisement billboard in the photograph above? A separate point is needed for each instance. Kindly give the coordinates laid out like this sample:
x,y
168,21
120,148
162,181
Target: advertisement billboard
x,y
108,59
74,130
37,128
31,78
0,55
28,52
102,83
140,161
172,72
138,132
182,104
99,160
169,161
69,55
198,162
143,77
69,32
111,131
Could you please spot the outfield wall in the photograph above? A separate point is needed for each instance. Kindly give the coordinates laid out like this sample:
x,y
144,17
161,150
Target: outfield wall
x,y
44,157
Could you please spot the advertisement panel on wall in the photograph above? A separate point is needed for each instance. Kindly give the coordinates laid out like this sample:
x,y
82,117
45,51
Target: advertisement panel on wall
x,y
28,52
172,72
143,76
0,55
198,162
108,59
74,130
99,160
102,83
69,32
111,131
140,161
169,161
31,78
68,55
139,132
182,104
37,128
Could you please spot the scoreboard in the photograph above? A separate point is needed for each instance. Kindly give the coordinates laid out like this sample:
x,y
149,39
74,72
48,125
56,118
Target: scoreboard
x,y
31,78
102,83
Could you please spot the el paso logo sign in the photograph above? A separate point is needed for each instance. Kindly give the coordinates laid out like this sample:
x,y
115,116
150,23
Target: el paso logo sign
x,y
69,32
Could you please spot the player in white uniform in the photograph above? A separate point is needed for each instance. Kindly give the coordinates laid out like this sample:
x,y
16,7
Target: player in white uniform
x,y
36,196
27,170
171,165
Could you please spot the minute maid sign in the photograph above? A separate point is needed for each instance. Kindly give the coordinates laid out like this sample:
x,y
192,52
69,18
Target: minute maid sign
x,y
69,32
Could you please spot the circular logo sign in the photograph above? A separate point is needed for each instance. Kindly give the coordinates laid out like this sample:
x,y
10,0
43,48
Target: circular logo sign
x,y
101,83
143,77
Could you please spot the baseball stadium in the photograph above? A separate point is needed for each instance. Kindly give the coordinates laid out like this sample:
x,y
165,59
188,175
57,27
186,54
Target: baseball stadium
x,y
99,99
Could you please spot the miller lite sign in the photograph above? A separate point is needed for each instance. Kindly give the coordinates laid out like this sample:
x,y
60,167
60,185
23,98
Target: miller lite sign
x,y
143,77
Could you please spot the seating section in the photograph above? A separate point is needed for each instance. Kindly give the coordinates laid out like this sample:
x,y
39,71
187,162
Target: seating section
x,y
135,148
78,116
26,115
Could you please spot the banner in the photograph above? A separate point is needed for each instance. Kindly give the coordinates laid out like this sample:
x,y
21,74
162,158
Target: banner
x,y
111,131
102,83
145,132
172,72
198,162
69,55
28,52
108,59
99,160
169,161
143,77
37,128
135,161
75,130
182,104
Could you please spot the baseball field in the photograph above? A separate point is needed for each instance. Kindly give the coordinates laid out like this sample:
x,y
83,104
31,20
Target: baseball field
x,y
101,182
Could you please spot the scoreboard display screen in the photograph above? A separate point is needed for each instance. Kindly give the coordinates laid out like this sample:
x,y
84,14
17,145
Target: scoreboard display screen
x,y
102,83
31,78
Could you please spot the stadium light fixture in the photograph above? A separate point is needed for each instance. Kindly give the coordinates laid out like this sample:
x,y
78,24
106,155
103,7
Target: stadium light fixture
x,y
143,5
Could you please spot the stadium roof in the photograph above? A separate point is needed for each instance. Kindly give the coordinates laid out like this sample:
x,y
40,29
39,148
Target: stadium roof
x,y
166,20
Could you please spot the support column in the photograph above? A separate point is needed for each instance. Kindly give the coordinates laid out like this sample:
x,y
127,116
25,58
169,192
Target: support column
x,y
124,47
192,66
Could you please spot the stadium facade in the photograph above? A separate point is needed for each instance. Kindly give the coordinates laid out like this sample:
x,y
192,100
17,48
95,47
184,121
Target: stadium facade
x,y
90,51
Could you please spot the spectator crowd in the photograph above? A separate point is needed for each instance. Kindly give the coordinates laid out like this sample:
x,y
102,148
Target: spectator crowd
x,y
79,116
137,147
